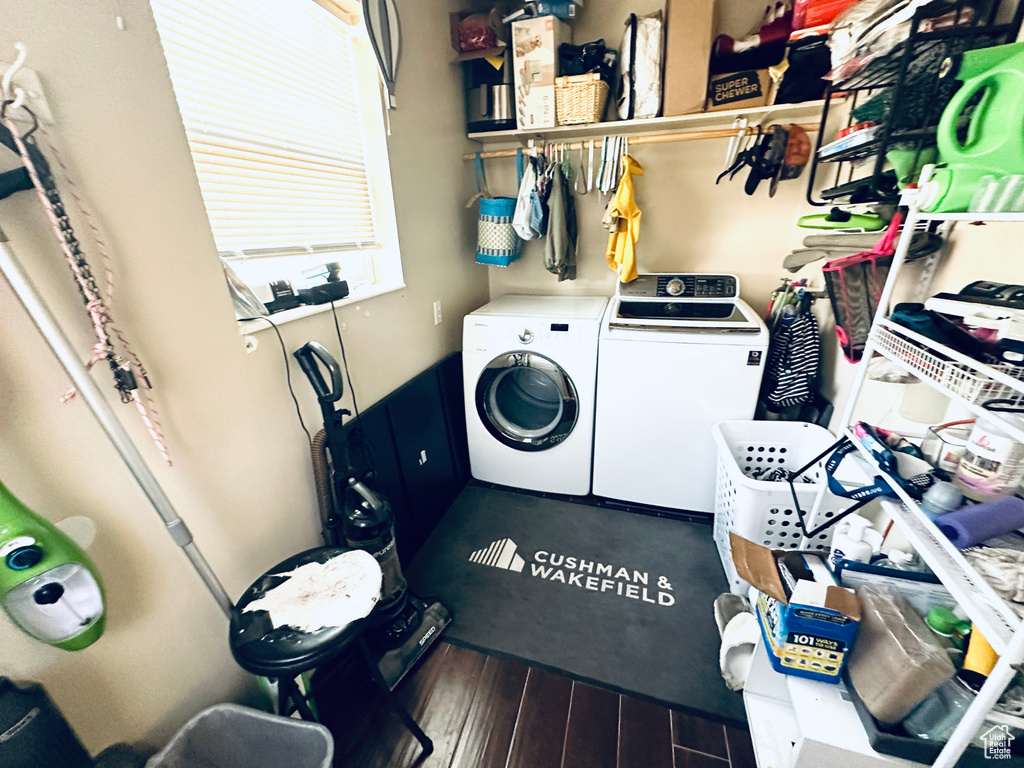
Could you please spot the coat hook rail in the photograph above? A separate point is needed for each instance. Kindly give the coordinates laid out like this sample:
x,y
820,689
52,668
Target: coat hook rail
x,y
720,133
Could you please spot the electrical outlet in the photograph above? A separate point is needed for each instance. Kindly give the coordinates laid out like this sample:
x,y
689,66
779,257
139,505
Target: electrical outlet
x,y
437,312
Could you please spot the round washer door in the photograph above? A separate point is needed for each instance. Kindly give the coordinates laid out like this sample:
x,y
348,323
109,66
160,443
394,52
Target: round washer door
x,y
526,401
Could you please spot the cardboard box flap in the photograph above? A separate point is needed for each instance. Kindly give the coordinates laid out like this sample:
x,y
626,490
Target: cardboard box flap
x,y
844,601
756,566
838,599
485,54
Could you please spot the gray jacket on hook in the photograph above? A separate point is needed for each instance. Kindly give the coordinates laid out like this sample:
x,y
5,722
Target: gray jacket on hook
x,y
560,243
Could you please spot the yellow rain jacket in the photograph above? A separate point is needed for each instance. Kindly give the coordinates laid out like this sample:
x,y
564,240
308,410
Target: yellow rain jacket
x,y
625,216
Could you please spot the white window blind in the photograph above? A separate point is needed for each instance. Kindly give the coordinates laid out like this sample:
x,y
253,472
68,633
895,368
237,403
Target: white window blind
x,y
268,93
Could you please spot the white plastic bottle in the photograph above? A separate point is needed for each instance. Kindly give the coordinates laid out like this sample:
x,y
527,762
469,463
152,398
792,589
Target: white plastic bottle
x,y
854,539
993,464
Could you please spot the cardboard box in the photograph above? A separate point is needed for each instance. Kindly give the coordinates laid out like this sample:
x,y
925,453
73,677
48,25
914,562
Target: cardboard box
x,y
534,67
689,34
807,621
740,90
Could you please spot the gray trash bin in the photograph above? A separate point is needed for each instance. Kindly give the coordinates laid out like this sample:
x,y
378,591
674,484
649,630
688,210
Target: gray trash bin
x,y
233,736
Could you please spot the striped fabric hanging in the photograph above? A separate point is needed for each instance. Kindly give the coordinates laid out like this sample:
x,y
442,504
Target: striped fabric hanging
x,y
791,370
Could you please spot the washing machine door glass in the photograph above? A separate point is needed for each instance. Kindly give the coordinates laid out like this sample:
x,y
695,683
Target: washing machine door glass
x,y
526,401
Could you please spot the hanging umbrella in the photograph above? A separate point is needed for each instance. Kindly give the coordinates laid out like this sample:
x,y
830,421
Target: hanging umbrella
x,y
382,24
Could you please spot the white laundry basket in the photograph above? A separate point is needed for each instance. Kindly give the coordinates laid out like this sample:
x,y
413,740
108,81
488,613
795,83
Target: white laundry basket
x,y
763,511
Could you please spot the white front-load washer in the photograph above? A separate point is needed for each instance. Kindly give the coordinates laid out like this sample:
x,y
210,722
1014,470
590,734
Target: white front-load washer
x,y
530,372
677,354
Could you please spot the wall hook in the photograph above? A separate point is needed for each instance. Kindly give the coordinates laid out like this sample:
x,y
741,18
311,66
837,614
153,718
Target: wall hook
x,y
19,100
5,84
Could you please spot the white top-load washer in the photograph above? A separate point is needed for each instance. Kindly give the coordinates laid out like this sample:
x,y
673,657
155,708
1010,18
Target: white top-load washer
x,y
530,373
677,354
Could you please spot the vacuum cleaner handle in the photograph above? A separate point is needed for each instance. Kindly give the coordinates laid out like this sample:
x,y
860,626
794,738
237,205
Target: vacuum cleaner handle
x,y
307,355
17,180
7,140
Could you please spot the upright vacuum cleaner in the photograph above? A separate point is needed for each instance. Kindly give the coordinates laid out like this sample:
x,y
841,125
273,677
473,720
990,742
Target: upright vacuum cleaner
x,y
353,515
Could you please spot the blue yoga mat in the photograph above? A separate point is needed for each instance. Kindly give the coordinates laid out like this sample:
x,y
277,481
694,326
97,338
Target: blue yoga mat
x,y
981,522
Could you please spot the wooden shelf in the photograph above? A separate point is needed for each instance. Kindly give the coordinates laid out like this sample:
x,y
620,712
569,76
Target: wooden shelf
x,y
657,125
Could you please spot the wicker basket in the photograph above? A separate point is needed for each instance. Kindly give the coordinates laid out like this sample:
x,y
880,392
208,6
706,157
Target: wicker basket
x,y
580,98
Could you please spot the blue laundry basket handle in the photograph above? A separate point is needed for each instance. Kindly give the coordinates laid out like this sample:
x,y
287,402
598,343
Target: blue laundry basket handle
x,y
860,496
480,175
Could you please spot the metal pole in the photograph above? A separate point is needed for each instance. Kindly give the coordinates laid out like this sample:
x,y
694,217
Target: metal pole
x,y
716,133
122,442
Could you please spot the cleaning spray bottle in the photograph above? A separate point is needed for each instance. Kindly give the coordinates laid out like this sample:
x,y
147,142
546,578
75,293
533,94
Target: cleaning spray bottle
x,y
854,539
48,585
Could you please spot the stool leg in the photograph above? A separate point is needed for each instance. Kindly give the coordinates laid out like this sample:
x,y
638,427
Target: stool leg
x,y
288,690
392,700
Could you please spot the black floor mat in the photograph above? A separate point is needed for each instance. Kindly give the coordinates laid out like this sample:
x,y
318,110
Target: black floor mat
x,y
618,599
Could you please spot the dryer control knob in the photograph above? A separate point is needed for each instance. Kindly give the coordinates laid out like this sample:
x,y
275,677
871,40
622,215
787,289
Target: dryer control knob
x,y
526,336
675,287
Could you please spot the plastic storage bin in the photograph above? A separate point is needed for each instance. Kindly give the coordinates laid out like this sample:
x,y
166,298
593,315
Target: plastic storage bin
x,y
893,740
232,736
762,511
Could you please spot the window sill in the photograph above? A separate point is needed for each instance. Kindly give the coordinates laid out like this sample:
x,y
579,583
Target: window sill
x,y
246,327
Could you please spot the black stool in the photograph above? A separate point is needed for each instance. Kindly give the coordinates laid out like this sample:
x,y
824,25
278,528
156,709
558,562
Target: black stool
x,y
285,653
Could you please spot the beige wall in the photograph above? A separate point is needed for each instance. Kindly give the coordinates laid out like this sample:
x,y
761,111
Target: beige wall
x,y
689,224
242,477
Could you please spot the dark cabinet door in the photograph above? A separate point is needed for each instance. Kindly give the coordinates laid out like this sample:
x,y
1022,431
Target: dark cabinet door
x,y
372,449
449,376
414,441
422,444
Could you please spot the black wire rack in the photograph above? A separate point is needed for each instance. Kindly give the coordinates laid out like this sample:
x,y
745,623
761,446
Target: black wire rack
x,y
914,83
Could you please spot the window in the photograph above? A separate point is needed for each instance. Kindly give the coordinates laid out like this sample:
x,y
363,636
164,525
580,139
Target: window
x,y
279,99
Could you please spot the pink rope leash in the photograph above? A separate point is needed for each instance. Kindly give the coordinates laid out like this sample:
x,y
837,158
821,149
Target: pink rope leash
x,y
99,312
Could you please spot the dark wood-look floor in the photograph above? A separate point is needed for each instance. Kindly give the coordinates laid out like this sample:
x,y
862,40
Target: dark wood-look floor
x,y
487,712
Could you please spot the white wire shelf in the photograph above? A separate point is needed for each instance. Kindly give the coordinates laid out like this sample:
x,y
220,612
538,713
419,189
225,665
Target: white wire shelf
x,y
977,216
959,377
996,620
657,125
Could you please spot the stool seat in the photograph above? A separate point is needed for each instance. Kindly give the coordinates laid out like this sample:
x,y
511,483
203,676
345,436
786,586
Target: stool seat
x,y
285,653
264,650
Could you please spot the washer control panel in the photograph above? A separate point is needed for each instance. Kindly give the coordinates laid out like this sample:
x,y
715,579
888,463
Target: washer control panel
x,y
684,286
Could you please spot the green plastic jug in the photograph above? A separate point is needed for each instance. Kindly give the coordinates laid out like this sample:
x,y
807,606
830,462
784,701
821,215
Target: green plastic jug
x,y
992,141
